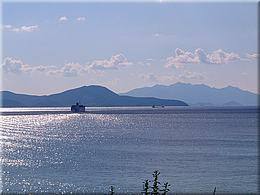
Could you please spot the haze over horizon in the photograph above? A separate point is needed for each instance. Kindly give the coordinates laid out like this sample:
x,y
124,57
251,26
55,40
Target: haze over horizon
x,y
52,47
122,92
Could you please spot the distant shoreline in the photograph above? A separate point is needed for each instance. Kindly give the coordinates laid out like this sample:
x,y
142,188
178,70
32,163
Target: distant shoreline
x,y
127,110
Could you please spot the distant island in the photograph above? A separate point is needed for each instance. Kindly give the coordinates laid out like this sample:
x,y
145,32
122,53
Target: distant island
x,y
199,94
92,95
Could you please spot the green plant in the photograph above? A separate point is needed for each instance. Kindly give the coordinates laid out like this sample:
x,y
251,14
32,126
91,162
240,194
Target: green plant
x,y
112,190
155,187
214,192
146,187
156,183
165,188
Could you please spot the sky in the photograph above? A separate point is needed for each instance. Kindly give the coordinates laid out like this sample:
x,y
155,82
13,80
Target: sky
x,y
51,47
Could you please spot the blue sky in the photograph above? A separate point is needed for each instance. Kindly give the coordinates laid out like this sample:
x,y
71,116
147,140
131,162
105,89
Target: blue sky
x,y
50,47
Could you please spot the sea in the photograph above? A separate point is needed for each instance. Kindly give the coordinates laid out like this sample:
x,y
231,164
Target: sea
x,y
195,149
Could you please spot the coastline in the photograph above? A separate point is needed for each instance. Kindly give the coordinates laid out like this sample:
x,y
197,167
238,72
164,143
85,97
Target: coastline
x,y
127,110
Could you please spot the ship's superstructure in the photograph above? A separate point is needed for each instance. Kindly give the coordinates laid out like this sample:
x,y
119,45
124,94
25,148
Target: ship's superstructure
x,y
77,108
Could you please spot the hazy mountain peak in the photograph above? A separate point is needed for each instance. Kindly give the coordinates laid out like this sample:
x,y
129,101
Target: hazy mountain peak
x,y
158,86
179,84
229,87
235,89
197,93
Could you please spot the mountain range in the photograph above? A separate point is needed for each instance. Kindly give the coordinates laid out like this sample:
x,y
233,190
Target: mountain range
x,y
92,95
199,94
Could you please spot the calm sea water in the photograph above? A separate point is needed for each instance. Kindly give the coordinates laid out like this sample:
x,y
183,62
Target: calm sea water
x,y
194,149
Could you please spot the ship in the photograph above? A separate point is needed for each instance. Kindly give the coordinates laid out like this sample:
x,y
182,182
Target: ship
x,y
77,108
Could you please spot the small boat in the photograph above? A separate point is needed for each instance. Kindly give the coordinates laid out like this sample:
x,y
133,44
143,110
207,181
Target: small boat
x,y
77,108
153,106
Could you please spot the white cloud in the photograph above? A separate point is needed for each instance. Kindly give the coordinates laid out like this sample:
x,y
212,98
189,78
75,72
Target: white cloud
x,y
63,19
41,68
14,65
8,26
75,69
221,57
68,70
72,69
17,66
81,19
252,56
54,72
188,75
115,62
181,57
200,56
31,28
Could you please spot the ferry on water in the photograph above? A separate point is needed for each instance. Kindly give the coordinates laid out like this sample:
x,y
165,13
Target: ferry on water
x,y
77,108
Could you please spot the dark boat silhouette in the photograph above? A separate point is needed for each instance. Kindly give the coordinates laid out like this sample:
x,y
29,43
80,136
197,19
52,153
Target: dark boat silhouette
x,y
77,108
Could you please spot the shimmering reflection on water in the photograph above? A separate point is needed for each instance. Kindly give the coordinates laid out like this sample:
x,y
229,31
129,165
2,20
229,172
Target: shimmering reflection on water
x,y
90,152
